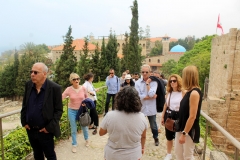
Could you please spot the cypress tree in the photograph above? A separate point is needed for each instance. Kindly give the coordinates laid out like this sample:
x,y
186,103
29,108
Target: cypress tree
x,y
111,53
103,62
134,49
67,63
83,64
125,50
95,64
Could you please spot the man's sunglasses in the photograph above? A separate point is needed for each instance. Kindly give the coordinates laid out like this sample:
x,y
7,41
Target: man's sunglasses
x,y
144,72
111,73
35,72
174,81
74,79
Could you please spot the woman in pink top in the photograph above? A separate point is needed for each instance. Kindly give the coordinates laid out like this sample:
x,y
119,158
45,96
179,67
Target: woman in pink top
x,y
77,94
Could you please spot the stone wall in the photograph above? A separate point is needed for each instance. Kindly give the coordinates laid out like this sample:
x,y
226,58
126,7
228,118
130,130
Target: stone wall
x,y
224,87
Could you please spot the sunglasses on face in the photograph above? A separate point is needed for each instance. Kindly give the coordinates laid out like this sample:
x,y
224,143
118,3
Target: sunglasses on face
x,y
35,72
174,81
144,72
74,79
111,73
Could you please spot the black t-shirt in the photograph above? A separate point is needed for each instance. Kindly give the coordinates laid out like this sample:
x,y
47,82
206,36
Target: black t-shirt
x,y
194,133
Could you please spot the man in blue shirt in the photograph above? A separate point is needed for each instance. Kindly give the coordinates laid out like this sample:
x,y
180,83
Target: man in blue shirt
x,y
147,93
113,85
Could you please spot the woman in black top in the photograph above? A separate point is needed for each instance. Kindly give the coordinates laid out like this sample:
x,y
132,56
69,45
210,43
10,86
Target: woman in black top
x,y
189,113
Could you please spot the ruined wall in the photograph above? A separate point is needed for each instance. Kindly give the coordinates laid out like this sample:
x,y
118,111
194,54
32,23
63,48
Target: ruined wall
x,y
224,87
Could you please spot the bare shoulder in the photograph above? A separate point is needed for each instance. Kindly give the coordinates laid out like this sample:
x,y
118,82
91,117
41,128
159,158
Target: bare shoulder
x,y
194,95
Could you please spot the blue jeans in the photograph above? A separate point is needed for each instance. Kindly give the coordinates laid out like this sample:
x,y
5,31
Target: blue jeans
x,y
153,125
72,113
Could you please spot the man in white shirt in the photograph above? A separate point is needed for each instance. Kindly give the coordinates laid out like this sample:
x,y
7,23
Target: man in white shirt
x,y
147,93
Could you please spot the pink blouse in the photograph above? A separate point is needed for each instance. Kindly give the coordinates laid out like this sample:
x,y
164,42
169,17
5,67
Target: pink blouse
x,y
76,97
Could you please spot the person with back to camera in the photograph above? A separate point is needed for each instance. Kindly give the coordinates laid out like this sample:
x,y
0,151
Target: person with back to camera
x,y
77,94
189,113
113,85
93,96
126,127
128,81
171,108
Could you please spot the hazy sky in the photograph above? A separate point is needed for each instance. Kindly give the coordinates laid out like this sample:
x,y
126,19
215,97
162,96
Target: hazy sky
x,y
46,21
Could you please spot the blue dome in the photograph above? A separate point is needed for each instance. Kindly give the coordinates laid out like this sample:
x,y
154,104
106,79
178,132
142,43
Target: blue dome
x,y
178,48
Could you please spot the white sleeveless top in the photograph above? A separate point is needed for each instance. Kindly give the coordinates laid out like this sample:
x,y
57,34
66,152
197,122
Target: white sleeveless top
x,y
175,100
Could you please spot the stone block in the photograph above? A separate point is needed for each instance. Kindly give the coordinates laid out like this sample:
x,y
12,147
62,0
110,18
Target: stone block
x,y
216,155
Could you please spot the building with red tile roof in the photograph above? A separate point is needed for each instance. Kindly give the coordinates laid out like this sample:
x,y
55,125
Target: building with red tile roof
x,y
78,43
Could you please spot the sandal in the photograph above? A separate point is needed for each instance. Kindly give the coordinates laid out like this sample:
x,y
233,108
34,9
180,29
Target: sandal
x,y
94,132
92,127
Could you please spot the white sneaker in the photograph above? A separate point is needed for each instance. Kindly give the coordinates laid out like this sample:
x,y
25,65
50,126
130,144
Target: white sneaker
x,y
87,144
168,157
74,149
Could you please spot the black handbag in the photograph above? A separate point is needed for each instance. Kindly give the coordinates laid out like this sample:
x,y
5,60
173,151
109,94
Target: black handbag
x,y
85,119
171,124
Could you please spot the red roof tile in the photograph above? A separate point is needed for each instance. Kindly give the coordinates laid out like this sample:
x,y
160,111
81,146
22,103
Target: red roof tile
x,y
160,39
79,43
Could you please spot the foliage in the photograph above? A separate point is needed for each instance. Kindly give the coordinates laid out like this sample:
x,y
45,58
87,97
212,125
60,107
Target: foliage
x,y
134,49
67,62
7,82
31,54
84,64
168,67
187,43
202,123
198,56
157,50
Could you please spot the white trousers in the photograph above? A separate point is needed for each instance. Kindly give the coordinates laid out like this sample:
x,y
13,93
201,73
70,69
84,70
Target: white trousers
x,y
184,151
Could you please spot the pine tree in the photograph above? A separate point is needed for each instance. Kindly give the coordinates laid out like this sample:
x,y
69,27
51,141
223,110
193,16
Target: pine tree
x,y
67,63
134,49
83,64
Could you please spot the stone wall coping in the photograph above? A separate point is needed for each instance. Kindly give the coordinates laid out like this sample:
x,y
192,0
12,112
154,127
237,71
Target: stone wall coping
x,y
215,100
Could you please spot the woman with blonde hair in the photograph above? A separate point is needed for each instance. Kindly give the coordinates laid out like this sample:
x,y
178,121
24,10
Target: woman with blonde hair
x,y
77,94
171,108
189,113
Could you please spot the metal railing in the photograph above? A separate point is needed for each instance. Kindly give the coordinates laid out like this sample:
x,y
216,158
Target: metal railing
x,y
233,140
103,96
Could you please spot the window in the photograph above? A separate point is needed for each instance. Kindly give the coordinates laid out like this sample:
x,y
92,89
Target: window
x,y
149,60
158,60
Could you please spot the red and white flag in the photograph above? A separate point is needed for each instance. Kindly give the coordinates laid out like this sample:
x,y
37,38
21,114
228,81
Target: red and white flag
x,y
219,25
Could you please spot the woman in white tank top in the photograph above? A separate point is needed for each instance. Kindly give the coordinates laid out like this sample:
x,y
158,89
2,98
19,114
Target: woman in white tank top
x,y
171,108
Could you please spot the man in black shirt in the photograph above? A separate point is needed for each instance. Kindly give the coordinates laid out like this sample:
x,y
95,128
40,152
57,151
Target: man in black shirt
x,y
41,112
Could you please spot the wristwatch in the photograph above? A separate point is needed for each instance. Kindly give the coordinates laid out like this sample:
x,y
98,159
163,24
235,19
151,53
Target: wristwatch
x,y
184,133
147,84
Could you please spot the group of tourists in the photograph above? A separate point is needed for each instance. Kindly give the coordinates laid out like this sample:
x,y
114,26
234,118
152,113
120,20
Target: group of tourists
x,y
134,98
